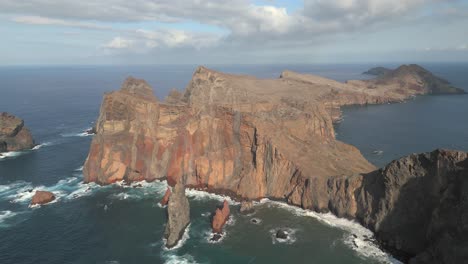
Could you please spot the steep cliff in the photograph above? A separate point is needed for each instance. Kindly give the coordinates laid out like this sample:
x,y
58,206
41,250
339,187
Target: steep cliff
x,y
14,136
253,138
418,206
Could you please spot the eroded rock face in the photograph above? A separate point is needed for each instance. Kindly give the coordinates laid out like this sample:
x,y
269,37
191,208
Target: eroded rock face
x,y
253,138
42,197
220,218
418,206
165,199
178,216
14,136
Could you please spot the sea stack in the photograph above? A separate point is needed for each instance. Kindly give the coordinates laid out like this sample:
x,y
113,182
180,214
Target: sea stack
x,y
220,218
42,197
14,135
178,216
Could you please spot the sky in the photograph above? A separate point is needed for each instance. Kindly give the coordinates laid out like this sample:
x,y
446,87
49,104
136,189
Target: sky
x,y
48,32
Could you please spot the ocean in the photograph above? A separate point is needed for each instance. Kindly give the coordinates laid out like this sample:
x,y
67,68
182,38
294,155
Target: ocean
x,y
124,224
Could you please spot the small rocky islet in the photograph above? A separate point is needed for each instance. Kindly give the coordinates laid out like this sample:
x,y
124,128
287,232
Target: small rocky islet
x,y
255,138
14,135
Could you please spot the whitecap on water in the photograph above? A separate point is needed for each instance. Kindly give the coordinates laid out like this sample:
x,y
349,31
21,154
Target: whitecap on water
x,y
14,154
291,238
42,145
175,259
180,243
202,195
82,133
357,238
210,235
5,215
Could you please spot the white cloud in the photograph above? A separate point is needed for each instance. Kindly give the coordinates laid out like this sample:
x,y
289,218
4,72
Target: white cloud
x,y
38,20
119,43
244,22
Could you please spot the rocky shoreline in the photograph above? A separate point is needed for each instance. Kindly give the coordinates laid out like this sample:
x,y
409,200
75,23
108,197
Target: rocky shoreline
x,y
274,138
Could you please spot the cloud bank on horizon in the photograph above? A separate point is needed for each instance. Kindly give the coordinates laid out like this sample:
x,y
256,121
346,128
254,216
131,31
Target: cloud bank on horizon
x,y
234,31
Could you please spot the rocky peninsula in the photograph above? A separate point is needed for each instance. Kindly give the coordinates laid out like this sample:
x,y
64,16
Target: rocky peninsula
x,y
14,135
253,138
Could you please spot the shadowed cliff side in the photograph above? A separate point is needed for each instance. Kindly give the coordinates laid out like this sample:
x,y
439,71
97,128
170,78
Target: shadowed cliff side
x,y
418,206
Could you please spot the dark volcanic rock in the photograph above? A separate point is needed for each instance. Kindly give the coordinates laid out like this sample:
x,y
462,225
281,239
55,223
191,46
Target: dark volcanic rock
x,y
377,71
14,136
282,234
42,197
178,216
220,218
165,199
418,206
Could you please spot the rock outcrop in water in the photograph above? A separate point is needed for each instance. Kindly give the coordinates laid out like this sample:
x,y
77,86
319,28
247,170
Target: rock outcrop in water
x,y
220,218
178,216
42,197
14,136
252,138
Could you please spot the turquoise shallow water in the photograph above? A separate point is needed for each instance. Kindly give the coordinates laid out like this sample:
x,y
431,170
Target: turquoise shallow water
x,y
117,224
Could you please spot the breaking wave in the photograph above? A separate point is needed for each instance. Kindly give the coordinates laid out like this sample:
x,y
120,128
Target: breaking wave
x,y
202,195
357,237
181,242
14,154
291,238
175,259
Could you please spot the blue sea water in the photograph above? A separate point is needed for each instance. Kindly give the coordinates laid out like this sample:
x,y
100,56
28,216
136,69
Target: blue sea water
x,y
122,224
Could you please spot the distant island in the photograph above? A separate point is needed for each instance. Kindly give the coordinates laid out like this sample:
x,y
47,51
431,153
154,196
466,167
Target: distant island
x,y
377,71
253,138
434,84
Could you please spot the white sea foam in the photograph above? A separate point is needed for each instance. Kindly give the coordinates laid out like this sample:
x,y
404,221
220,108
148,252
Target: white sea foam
x,y
14,154
175,259
256,221
202,195
5,215
10,154
78,134
361,244
209,235
80,168
42,145
181,242
231,220
289,240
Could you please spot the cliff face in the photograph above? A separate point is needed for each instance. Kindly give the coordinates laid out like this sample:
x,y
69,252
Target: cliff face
x,y
253,138
418,206
14,136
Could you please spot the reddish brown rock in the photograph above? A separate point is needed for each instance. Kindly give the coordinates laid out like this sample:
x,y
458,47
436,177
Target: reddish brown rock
x,y
250,138
220,218
42,197
165,199
14,136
